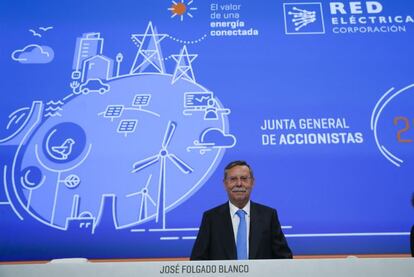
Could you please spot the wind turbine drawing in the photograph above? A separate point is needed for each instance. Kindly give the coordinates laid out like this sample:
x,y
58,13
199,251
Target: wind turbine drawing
x,y
144,192
161,157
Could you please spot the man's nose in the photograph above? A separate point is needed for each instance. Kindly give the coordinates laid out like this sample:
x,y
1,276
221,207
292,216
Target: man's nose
x,y
238,182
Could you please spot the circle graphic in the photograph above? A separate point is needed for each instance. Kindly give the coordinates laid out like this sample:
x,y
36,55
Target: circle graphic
x,y
146,145
64,142
392,122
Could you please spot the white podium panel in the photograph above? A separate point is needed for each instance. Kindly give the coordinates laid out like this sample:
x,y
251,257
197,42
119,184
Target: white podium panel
x,y
351,267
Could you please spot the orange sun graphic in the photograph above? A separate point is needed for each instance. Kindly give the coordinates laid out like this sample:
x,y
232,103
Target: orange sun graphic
x,y
181,9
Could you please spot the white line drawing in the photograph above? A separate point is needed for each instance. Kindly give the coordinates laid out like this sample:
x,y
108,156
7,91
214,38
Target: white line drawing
x,y
64,150
174,229
211,111
30,114
59,152
94,85
113,111
196,101
127,126
30,186
89,63
21,136
51,102
98,67
108,201
302,18
183,68
116,111
141,100
16,116
169,238
50,108
144,192
161,157
150,56
50,114
70,95
89,45
34,33
348,234
9,202
72,180
137,230
75,206
188,41
213,138
182,8
45,29
53,108
376,113
119,58
84,220
299,15
33,54
391,155
205,102
59,179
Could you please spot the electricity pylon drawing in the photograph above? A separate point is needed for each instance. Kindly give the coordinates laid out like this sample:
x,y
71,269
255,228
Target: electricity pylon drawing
x,y
161,157
184,69
149,51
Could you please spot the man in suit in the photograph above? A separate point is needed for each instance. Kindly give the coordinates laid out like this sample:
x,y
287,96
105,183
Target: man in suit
x,y
240,229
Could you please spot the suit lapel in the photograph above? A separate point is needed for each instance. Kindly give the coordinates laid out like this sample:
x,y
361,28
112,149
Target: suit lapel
x,y
255,231
228,235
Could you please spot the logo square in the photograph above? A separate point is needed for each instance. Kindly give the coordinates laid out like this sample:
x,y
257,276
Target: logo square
x,y
303,18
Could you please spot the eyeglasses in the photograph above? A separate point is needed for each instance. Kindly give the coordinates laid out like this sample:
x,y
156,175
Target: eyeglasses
x,y
234,179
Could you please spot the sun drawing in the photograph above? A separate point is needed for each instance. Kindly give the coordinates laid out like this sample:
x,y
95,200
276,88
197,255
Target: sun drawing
x,y
181,9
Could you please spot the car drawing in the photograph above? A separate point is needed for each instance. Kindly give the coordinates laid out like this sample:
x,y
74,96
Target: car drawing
x,y
94,85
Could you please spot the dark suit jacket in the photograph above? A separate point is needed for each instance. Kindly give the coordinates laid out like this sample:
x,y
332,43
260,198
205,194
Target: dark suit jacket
x,y
215,240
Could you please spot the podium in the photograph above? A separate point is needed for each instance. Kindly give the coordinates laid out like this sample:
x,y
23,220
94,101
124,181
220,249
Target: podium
x,y
348,267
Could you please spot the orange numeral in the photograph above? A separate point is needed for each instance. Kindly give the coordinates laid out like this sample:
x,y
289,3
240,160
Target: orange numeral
x,y
402,131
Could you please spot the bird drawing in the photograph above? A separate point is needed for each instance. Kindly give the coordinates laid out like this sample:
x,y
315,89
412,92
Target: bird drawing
x,y
45,29
34,33
65,149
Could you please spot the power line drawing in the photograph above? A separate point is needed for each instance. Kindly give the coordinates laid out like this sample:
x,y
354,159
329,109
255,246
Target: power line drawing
x,y
162,158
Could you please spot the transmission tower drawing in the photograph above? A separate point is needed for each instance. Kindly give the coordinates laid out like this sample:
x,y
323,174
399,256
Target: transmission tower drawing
x,y
149,56
161,157
184,68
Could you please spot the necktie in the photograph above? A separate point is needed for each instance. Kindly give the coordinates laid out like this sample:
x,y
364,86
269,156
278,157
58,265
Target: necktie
x,y
241,236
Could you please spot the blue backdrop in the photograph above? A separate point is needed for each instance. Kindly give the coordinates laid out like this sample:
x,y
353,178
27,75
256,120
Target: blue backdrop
x,y
117,119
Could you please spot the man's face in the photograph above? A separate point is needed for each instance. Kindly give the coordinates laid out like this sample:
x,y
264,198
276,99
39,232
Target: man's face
x,y
239,184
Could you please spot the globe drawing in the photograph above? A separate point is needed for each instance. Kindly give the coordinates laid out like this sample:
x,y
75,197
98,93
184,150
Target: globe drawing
x,y
147,140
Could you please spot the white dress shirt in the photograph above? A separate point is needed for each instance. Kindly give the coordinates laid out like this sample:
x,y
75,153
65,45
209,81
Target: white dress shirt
x,y
235,219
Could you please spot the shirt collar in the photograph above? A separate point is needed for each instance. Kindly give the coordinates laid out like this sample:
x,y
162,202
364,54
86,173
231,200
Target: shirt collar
x,y
234,209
